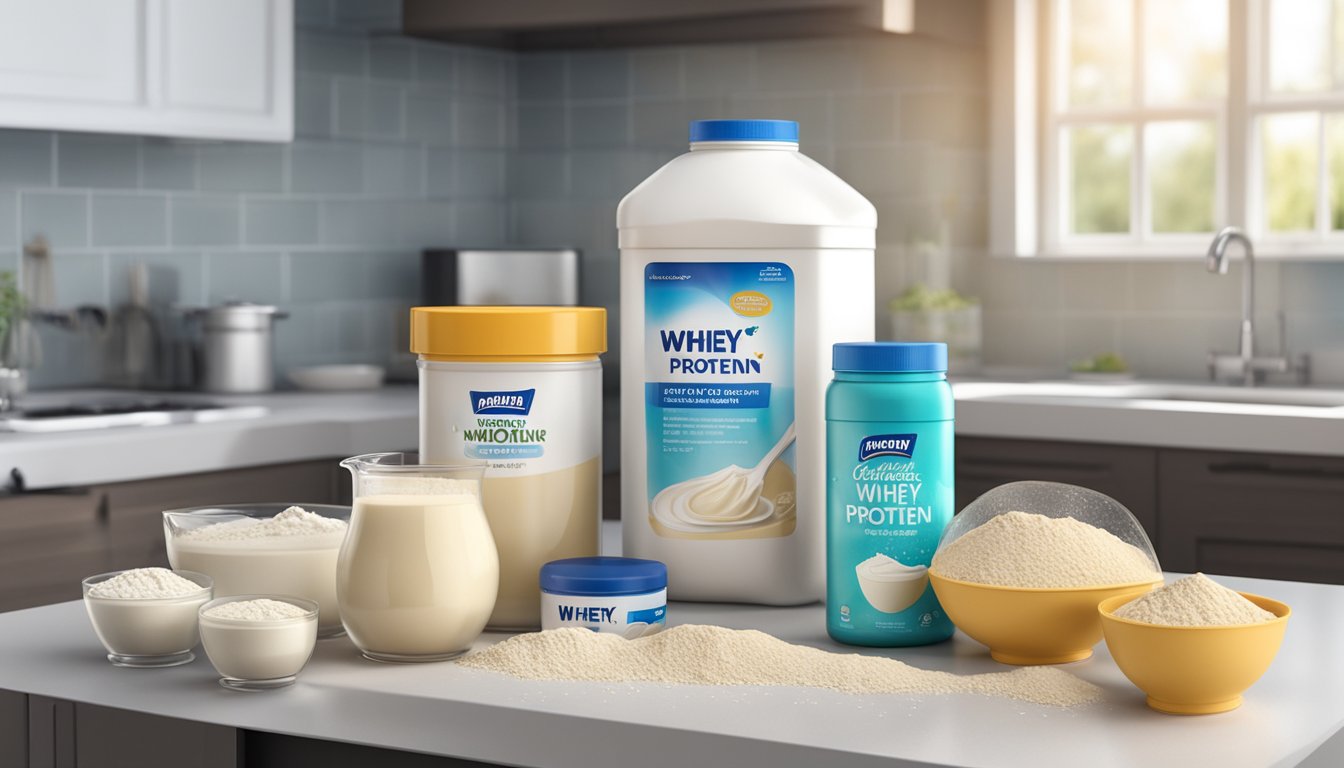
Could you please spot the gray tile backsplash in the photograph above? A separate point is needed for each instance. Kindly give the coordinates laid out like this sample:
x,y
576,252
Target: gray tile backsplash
x,y
328,227
403,144
121,219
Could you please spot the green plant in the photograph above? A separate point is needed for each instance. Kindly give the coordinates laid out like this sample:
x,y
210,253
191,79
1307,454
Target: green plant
x,y
12,304
922,298
1108,362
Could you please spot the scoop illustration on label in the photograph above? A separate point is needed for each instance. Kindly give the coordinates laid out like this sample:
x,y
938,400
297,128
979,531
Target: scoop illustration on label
x,y
731,498
889,585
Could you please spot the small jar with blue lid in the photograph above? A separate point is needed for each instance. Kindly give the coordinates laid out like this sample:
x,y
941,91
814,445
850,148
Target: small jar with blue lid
x,y
619,595
888,491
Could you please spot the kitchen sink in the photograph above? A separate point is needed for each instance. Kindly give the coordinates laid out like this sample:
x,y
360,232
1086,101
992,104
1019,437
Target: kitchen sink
x,y
105,414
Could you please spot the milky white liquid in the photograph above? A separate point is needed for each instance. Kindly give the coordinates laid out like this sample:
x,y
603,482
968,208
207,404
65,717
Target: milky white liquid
x,y
258,650
417,576
152,627
537,519
889,585
299,566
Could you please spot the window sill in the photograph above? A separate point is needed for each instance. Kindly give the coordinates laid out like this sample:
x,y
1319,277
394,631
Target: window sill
x,y
1266,252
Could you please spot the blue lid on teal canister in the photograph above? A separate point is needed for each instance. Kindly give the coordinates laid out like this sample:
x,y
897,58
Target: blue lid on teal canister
x,y
890,357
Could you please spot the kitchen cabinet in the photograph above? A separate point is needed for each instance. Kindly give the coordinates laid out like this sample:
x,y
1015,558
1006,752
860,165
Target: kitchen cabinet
x,y
1127,474
1232,513
66,733
182,68
1276,517
43,731
49,541
541,24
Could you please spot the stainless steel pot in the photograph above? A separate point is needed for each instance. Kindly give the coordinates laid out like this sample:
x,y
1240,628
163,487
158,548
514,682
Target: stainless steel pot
x,y
237,347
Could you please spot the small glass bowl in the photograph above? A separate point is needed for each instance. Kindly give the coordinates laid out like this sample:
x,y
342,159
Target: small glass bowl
x,y
259,655
300,566
147,632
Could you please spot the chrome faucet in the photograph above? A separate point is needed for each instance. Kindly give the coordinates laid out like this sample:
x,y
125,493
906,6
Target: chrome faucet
x,y
1244,367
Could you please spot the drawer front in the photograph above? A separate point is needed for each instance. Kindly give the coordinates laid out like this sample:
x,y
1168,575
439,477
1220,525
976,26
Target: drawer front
x,y
48,544
1279,517
1125,473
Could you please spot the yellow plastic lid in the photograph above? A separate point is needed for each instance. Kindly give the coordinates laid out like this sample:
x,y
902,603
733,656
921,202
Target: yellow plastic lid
x,y
508,334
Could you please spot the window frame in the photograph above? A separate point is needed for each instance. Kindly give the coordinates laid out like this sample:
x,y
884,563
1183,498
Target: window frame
x,y
1027,171
1140,240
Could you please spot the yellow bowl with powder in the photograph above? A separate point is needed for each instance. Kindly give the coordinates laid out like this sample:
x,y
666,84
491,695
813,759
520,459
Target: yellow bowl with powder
x,y
1193,670
1031,625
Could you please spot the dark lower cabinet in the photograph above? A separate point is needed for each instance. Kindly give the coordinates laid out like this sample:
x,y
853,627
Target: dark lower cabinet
x,y
50,540
1125,473
41,732
1232,513
1273,517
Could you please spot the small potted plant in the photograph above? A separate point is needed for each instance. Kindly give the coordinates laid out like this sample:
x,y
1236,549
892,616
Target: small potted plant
x,y
925,314
14,343
1105,367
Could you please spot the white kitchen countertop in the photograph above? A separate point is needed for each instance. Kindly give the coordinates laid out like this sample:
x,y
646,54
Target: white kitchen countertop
x,y
306,425
297,426
1165,414
1294,714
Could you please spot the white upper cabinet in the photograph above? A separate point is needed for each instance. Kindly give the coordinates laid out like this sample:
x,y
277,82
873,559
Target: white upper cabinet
x,y
215,69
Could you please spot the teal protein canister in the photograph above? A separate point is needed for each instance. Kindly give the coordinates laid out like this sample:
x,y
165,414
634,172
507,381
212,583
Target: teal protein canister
x,y
889,487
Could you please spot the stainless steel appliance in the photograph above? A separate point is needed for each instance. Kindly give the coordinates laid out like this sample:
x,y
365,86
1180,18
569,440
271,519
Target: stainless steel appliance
x,y
237,347
475,277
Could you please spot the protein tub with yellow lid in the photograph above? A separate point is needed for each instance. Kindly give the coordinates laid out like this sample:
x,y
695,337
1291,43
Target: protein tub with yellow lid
x,y
519,388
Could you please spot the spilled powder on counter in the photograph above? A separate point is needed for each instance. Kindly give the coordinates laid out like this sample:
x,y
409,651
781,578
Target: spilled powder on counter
x,y
1194,601
145,584
294,521
1021,549
261,609
697,654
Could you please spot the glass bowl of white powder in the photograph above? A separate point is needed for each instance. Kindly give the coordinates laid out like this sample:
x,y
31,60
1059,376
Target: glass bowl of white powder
x,y
258,642
1023,567
264,549
146,617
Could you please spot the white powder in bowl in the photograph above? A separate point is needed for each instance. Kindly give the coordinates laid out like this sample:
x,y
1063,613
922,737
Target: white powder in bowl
x,y
294,521
145,584
261,609
697,654
1194,601
1021,549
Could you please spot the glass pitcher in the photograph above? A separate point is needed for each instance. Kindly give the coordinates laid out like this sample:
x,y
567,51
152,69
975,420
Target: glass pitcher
x,y
418,574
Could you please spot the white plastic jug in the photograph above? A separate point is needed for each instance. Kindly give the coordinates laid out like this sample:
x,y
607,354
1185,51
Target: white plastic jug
x,y
742,262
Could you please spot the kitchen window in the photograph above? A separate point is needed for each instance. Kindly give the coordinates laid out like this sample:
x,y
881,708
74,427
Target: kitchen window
x,y
1133,128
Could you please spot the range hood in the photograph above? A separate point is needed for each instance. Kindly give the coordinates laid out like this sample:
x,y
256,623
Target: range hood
x,y
542,24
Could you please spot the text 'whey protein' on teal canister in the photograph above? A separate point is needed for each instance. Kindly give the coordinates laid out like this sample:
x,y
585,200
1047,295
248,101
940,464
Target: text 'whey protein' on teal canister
x,y
742,262
888,491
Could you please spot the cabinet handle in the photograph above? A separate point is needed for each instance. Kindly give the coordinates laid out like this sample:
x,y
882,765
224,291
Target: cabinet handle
x,y
17,485
1263,468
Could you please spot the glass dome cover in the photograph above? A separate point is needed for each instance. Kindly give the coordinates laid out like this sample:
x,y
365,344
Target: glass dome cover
x,y
1052,500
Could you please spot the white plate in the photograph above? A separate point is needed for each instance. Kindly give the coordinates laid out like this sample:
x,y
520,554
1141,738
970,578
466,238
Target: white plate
x,y
332,378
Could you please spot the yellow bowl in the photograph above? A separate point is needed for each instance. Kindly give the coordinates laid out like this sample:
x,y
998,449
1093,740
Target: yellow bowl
x,y
1193,670
1024,625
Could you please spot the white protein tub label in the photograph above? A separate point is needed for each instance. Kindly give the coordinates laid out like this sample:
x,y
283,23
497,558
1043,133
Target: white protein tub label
x,y
521,422
628,615
719,399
